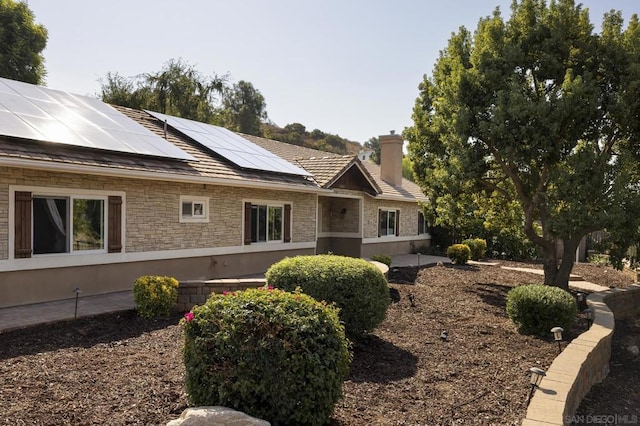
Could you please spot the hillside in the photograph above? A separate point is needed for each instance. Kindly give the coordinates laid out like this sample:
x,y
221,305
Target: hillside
x,y
297,134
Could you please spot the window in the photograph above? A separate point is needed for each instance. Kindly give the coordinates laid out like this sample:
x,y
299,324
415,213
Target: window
x,y
194,209
422,224
267,223
66,224
389,222
54,224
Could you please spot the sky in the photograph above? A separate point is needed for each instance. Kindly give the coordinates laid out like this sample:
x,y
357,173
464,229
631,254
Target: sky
x,y
347,67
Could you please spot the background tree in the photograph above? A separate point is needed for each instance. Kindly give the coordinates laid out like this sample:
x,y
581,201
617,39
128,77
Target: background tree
x,y
538,109
244,108
178,89
374,144
21,43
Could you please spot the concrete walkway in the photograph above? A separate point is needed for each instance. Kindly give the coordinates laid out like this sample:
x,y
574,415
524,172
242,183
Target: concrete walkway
x,y
50,312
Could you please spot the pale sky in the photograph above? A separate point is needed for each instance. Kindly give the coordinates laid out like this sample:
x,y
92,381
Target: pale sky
x,y
348,67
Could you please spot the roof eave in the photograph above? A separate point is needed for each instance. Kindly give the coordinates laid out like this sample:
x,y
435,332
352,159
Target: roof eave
x,y
138,174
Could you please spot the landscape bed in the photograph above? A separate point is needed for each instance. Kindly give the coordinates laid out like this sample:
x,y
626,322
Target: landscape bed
x,y
121,369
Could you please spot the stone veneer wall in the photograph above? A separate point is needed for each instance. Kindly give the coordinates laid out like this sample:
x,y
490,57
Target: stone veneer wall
x,y
191,293
408,216
584,362
152,209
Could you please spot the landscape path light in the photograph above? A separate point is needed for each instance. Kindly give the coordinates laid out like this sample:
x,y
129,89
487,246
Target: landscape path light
x,y
581,300
588,314
77,291
536,377
557,336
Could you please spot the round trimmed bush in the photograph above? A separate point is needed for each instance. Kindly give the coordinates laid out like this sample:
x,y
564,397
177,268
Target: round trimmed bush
x,y
478,248
155,296
356,286
536,309
459,253
274,355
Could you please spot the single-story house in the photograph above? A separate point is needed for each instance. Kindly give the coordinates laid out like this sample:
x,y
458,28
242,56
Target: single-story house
x,y
93,196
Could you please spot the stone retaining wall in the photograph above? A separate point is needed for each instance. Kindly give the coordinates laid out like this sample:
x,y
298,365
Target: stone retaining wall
x,y
584,362
191,293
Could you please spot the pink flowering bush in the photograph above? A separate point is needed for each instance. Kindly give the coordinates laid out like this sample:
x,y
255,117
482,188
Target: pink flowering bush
x,y
275,355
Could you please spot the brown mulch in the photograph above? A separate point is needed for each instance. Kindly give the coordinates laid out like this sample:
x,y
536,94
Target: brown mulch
x,y
120,369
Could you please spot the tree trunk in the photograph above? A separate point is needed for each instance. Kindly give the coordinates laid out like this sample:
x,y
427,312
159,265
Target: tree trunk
x,y
558,275
568,260
550,264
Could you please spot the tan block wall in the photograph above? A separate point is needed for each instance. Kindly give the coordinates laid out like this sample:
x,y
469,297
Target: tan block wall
x,y
584,362
152,209
408,216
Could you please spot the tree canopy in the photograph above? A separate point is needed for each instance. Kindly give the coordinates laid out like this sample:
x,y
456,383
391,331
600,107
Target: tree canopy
x,y
177,89
374,145
244,108
21,43
534,119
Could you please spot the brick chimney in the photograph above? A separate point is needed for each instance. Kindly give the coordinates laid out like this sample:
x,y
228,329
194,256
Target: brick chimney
x,y
391,158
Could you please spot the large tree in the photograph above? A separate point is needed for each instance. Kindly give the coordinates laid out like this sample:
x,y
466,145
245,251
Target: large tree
x,y
21,43
244,108
177,89
540,110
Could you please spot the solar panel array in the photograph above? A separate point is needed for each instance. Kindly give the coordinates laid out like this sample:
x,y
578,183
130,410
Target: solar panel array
x,y
231,146
38,113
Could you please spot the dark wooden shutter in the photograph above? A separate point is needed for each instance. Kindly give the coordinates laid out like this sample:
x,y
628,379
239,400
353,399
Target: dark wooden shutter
x,y
23,203
397,223
379,223
247,223
287,223
114,234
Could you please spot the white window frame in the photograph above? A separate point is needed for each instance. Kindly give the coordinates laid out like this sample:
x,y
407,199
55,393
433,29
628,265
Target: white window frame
x,y
271,206
193,218
395,215
70,243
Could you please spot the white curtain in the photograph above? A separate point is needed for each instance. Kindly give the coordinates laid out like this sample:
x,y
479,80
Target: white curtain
x,y
54,215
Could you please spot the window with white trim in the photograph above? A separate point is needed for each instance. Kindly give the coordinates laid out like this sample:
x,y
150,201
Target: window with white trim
x,y
267,223
388,222
194,209
68,224
423,227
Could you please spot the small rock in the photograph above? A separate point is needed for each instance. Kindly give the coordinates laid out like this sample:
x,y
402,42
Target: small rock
x,y
222,416
634,350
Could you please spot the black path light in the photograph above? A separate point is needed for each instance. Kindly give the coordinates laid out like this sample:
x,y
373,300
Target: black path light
x,y
557,336
581,300
77,291
536,377
588,314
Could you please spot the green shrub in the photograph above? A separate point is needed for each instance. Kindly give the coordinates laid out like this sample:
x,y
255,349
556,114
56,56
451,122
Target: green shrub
x,y
478,248
382,258
356,286
459,253
275,355
536,309
155,296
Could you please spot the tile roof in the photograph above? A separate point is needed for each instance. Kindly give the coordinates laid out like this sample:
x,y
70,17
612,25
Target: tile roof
x,y
326,167
207,166
409,190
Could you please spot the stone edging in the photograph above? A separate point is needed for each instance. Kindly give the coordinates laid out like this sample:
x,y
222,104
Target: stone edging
x,y
584,362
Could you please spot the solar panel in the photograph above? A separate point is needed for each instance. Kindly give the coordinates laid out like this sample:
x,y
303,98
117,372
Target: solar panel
x,y
231,146
43,114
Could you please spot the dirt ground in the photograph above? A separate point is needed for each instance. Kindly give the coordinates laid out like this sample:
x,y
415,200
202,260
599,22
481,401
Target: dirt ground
x,y
120,369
